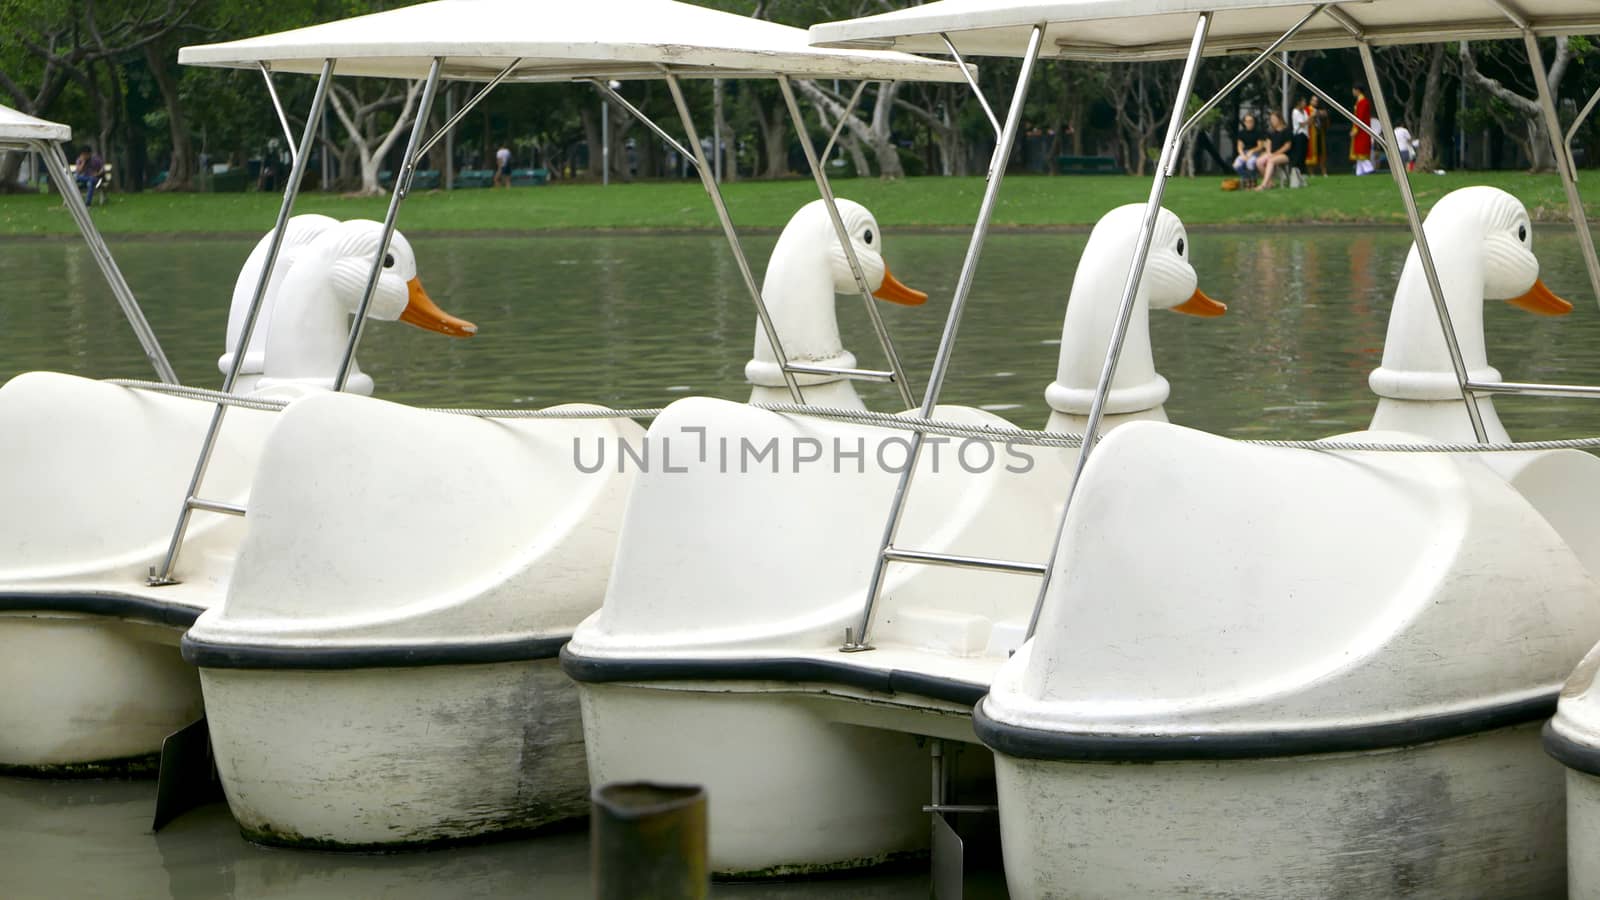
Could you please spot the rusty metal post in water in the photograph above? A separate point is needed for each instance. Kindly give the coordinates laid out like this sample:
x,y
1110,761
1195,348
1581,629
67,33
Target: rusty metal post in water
x,y
648,840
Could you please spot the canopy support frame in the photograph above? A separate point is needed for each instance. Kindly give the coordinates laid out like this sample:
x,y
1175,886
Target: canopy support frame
x,y
714,191
191,498
402,189
471,104
826,190
857,639
838,128
994,121
277,106
1261,59
1402,181
56,165
1562,150
1165,167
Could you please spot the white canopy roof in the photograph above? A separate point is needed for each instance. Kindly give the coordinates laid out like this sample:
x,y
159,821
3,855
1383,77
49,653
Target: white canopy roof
x,y
1161,29
18,126
560,41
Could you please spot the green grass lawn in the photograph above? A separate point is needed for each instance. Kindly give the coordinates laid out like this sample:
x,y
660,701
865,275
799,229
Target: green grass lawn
x,y
917,202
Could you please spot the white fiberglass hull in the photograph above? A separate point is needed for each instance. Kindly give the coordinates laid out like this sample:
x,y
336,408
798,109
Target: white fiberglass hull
x,y
792,788
89,695
388,758
1479,816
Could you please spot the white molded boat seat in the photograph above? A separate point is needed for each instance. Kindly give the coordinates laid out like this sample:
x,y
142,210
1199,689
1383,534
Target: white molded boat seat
x,y
729,557
93,478
377,523
1207,586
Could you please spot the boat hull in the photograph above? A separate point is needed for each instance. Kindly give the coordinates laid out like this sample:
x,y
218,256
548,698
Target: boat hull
x,y
792,790
1480,816
396,758
1583,835
88,695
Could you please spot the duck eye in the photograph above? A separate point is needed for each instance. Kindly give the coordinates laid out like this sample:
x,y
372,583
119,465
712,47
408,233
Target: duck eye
x,y
1522,233
868,236
1180,246
388,260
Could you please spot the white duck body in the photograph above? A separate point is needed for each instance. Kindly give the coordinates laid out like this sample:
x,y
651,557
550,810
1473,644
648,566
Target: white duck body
x,y
808,267
715,657
310,317
1137,390
1481,239
300,231
95,646
467,559
1330,669
1482,242
382,671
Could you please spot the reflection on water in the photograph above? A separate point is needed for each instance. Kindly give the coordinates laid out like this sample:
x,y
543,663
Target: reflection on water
x,y
640,321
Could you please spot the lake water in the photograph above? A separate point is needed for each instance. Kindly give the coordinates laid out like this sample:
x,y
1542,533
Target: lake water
x,y
640,321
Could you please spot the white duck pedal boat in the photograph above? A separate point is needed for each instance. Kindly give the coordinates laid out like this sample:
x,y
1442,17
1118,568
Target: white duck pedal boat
x,y
92,650
714,659
1338,691
383,672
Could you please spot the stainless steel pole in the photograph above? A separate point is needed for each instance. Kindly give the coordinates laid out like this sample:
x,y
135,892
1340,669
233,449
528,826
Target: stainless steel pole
x,y
291,189
402,187
1141,252
826,190
708,179
1420,239
605,143
56,165
1564,164
857,640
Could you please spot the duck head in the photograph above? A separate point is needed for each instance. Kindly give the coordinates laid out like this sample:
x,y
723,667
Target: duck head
x,y
310,322
808,268
1169,282
1482,245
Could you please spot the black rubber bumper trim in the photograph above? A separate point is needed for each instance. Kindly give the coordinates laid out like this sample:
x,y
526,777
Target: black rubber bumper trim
x,y
1575,756
1033,743
888,681
216,655
118,606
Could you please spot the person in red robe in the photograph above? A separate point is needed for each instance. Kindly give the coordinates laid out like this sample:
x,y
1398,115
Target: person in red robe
x,y
1360,141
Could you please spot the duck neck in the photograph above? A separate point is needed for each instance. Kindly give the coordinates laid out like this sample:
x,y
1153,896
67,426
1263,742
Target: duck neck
x,y
310,329
1137,390
1416,384
798,290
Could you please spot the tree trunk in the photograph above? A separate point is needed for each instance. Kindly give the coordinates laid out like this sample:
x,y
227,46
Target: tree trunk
x,y
181,168
1538,145
1427,121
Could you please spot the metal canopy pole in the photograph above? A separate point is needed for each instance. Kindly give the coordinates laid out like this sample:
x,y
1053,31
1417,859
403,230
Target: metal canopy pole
x,y
1424,254
708,179
455,118
402,187
849,110
856,640
1562,150
826,191
291,189
56,164
1377,139
1265,56
1141,251
283,118
1583,115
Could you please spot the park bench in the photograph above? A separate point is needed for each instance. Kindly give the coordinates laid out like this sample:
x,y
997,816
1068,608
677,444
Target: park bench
x,y
1087,165
528,177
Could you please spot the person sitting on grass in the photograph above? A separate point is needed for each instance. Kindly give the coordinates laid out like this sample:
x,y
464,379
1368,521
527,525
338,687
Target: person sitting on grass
x,y
89,169
1247,149
1279,141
